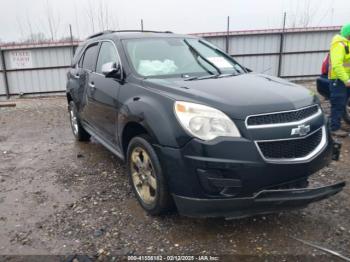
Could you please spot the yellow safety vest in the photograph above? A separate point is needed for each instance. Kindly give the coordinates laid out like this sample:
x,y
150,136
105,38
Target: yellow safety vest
x,y
339,62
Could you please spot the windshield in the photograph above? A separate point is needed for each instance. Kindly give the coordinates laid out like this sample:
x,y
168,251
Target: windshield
x,y
168,57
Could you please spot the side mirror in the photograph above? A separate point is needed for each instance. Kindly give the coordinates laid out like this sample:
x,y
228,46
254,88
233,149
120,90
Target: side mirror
x,y
111,69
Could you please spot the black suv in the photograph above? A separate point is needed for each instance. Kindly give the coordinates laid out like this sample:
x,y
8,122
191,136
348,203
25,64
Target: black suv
x,y
196,129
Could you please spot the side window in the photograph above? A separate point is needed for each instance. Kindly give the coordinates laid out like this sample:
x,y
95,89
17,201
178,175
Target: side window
x,y
89,60
107,54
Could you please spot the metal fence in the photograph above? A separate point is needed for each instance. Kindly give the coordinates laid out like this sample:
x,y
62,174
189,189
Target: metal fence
x,y
35,68
291,53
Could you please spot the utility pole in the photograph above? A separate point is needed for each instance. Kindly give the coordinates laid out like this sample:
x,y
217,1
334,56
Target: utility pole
x,y
7,89
280,57
71,39
141,24
228,35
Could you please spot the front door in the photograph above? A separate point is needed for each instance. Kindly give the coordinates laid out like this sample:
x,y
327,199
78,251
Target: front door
x,y
105,93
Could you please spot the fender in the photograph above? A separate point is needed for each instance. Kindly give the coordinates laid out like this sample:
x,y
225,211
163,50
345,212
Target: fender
x,y
156,116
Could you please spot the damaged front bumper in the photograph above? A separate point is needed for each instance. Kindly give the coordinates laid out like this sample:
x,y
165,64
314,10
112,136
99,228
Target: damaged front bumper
x,y
228,178
264,202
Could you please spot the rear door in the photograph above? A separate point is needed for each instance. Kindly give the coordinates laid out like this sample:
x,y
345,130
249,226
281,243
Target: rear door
x,y
77,84
88,68
106,92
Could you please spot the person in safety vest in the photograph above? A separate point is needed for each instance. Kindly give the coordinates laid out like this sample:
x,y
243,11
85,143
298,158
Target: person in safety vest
x,y
339,74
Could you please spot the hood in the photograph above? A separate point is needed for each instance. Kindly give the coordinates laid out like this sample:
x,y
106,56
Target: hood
x,y
338,38
238,96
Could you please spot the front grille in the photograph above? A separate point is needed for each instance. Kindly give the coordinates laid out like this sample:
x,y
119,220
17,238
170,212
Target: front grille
x,y
289,149
283,117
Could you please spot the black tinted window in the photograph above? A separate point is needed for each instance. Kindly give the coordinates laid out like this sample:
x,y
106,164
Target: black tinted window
x,y
90,55
108,54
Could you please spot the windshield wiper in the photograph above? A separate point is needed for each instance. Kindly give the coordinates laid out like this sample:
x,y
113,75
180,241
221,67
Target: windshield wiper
x,y
202,77
210,76
229,75
201,56
225,55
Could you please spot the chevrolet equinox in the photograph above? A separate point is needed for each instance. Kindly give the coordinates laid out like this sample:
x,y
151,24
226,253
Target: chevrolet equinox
x,y
197,130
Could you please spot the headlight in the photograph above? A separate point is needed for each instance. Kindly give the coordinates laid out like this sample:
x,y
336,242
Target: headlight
x,y
204,122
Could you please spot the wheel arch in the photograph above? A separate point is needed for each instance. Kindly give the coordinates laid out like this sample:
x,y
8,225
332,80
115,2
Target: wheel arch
x,y
151,116
131,130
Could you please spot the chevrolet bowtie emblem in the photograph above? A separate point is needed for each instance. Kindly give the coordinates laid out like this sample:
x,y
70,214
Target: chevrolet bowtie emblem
x,y
301,130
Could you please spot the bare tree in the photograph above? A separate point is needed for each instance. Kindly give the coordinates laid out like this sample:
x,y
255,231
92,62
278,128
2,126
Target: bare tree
x,y
53,21
100,17
76,20
302,16
103,16
91,16
20,27
68,38
306,17
35,38
29,25
329,12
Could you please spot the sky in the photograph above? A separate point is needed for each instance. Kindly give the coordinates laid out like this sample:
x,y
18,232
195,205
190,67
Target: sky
x,y
51,18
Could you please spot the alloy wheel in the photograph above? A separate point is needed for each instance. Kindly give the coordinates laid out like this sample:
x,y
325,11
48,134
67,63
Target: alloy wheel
x,y
142,173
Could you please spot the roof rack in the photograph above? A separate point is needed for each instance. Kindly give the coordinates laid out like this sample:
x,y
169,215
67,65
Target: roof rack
x,y
100,33
125,31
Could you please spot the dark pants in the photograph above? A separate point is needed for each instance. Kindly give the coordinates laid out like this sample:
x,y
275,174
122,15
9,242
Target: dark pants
x,y
339,95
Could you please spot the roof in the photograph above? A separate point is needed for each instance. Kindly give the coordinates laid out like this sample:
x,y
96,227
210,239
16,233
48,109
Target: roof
x,y
107,32
135,34
146,35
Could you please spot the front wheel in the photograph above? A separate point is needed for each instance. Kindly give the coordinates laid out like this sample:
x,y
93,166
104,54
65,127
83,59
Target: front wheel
x,y
146,176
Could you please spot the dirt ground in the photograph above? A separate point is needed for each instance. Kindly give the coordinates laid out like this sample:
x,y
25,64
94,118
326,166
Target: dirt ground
x,y
58,196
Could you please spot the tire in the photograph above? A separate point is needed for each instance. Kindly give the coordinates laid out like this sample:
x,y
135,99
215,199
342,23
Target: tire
x,y
146,177
346,116
79,132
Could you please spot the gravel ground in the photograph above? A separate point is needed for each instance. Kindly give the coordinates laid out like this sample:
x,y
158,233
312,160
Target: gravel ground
x,y
61,197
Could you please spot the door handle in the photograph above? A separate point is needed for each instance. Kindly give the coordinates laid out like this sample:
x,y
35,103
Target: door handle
x,y
92,85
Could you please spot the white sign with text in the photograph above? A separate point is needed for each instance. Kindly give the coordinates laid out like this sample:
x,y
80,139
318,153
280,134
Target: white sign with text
x,y
21,59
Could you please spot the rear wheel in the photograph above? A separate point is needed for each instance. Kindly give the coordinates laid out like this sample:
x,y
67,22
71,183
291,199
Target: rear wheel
x,y
146,176
346,116
79,132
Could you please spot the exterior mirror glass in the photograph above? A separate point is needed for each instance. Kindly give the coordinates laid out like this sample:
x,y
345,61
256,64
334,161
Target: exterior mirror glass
x,y
111,69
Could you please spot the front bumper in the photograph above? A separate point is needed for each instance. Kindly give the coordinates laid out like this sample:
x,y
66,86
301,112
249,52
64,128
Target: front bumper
x,y
229,178
230,167
264,202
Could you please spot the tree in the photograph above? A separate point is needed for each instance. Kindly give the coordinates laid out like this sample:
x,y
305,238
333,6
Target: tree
x,y
91,16
302,16
52,20
100,17
36,38
68,39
